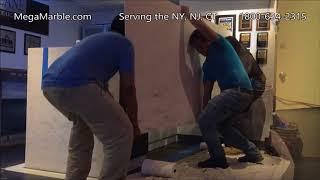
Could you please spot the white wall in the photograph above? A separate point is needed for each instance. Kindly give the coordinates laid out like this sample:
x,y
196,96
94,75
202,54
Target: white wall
x,y
17,60
61,33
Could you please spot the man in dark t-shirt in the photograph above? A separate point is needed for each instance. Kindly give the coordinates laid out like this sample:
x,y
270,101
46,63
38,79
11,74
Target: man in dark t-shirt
x,y
222,65
256,75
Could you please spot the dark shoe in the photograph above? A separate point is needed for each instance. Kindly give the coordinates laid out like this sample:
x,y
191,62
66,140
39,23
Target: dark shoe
x,y
253,156
213,163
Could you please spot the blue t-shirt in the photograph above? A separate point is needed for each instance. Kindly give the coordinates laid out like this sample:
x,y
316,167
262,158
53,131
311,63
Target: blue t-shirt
x,y
96,58
224,66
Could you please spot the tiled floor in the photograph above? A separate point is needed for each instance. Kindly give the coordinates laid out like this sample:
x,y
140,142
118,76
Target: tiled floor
x,y
307,168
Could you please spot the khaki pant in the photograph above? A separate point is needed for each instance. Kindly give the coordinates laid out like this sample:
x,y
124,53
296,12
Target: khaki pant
x,y
94,112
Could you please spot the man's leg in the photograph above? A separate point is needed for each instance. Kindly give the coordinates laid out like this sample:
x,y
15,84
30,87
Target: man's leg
x,y
232,136
108,121
81,138
219,109
213,115
80,150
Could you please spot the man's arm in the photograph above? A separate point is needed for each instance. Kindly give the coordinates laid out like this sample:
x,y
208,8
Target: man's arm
x,y
128,99
209,33
207,91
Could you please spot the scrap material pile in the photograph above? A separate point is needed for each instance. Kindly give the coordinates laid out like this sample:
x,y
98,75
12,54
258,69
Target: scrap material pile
x,y
270,168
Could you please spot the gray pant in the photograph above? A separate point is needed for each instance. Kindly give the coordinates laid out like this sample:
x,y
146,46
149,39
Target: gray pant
x,y
94,112
218,116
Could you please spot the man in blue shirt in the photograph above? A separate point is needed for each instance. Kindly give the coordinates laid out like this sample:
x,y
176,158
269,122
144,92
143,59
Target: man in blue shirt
x,y
224,66
73,84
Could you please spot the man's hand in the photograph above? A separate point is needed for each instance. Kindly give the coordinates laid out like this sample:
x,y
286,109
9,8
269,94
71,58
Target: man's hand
x,y
136,130
207,90
209,33
107,90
